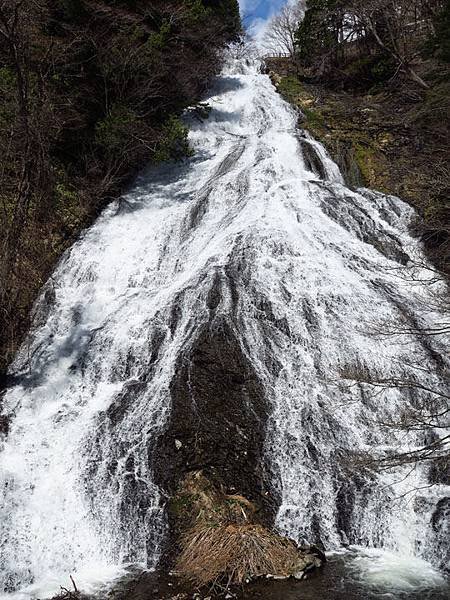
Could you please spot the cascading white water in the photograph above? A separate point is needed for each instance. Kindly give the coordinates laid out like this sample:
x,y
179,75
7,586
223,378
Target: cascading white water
x,y
316,268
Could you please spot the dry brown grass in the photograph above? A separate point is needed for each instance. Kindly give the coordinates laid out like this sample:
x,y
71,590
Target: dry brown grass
x,y
234,553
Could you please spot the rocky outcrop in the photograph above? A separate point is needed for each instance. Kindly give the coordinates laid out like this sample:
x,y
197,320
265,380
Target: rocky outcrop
x,y
389,140
217,423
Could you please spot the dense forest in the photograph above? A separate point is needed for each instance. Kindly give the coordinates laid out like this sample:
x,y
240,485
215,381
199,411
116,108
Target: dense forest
x,y
91,91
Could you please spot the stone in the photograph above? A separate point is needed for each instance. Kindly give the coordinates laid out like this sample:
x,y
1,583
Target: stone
x,y
299,575
178,444
4,424
301,565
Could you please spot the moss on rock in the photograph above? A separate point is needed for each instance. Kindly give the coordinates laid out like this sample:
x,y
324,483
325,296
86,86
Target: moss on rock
x,y
391,141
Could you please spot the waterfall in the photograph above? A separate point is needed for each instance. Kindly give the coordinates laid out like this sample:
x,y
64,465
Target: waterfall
x,y
309,276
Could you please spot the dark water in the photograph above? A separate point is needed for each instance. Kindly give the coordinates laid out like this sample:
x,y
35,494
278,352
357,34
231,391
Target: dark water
x,y
336,581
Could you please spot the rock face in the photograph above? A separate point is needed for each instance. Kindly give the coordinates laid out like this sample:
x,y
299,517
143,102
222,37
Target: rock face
x,y
218,420
4,425
441,529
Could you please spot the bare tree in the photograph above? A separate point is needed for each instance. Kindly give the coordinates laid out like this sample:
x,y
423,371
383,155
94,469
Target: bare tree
x,y
425,410
280,35
396,28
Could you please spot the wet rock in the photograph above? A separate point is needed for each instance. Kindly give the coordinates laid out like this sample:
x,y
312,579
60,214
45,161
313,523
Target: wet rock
x,y
301,565
219,413
439,472
4,425
313,162
440,523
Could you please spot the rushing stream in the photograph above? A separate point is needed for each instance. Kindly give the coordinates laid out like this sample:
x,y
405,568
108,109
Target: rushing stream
x,y
311,279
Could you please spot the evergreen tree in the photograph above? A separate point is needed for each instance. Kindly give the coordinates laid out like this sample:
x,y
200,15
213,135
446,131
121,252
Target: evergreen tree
x,y
318,33
228,10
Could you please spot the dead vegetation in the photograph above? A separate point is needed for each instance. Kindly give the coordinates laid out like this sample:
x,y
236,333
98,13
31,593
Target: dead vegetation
x,y
223,543
66,594
234,554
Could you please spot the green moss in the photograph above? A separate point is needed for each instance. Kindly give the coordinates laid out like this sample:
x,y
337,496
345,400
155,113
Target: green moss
x,y
111,131
290,88
314,117
363,157
174,143
371,163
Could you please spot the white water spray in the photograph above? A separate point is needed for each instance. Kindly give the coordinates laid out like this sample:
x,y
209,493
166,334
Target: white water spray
x,y
316,268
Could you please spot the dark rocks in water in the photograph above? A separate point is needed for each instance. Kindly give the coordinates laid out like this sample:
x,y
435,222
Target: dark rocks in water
x,y
317,552
4,425
335,582
440,522
351,479
439,472
313,162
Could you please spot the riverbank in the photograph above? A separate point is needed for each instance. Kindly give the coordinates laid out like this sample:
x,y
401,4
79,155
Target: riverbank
x,y
341,579
387,139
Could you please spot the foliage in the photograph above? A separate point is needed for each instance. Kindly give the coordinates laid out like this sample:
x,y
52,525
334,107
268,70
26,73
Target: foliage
x,y
174,143
197,11
158,39
111,131
337,32
228,12
317,33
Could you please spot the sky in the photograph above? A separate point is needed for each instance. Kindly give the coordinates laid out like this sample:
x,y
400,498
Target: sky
x,y
259,9
255,14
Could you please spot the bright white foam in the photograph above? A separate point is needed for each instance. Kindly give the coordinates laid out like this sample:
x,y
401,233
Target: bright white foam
x,y
307,267
393,571
88,580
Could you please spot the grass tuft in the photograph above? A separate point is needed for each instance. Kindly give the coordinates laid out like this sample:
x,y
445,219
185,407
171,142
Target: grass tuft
x,y
234,553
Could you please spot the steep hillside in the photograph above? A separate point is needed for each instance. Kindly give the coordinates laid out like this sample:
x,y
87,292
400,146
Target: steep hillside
x,y
91,91
372,82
